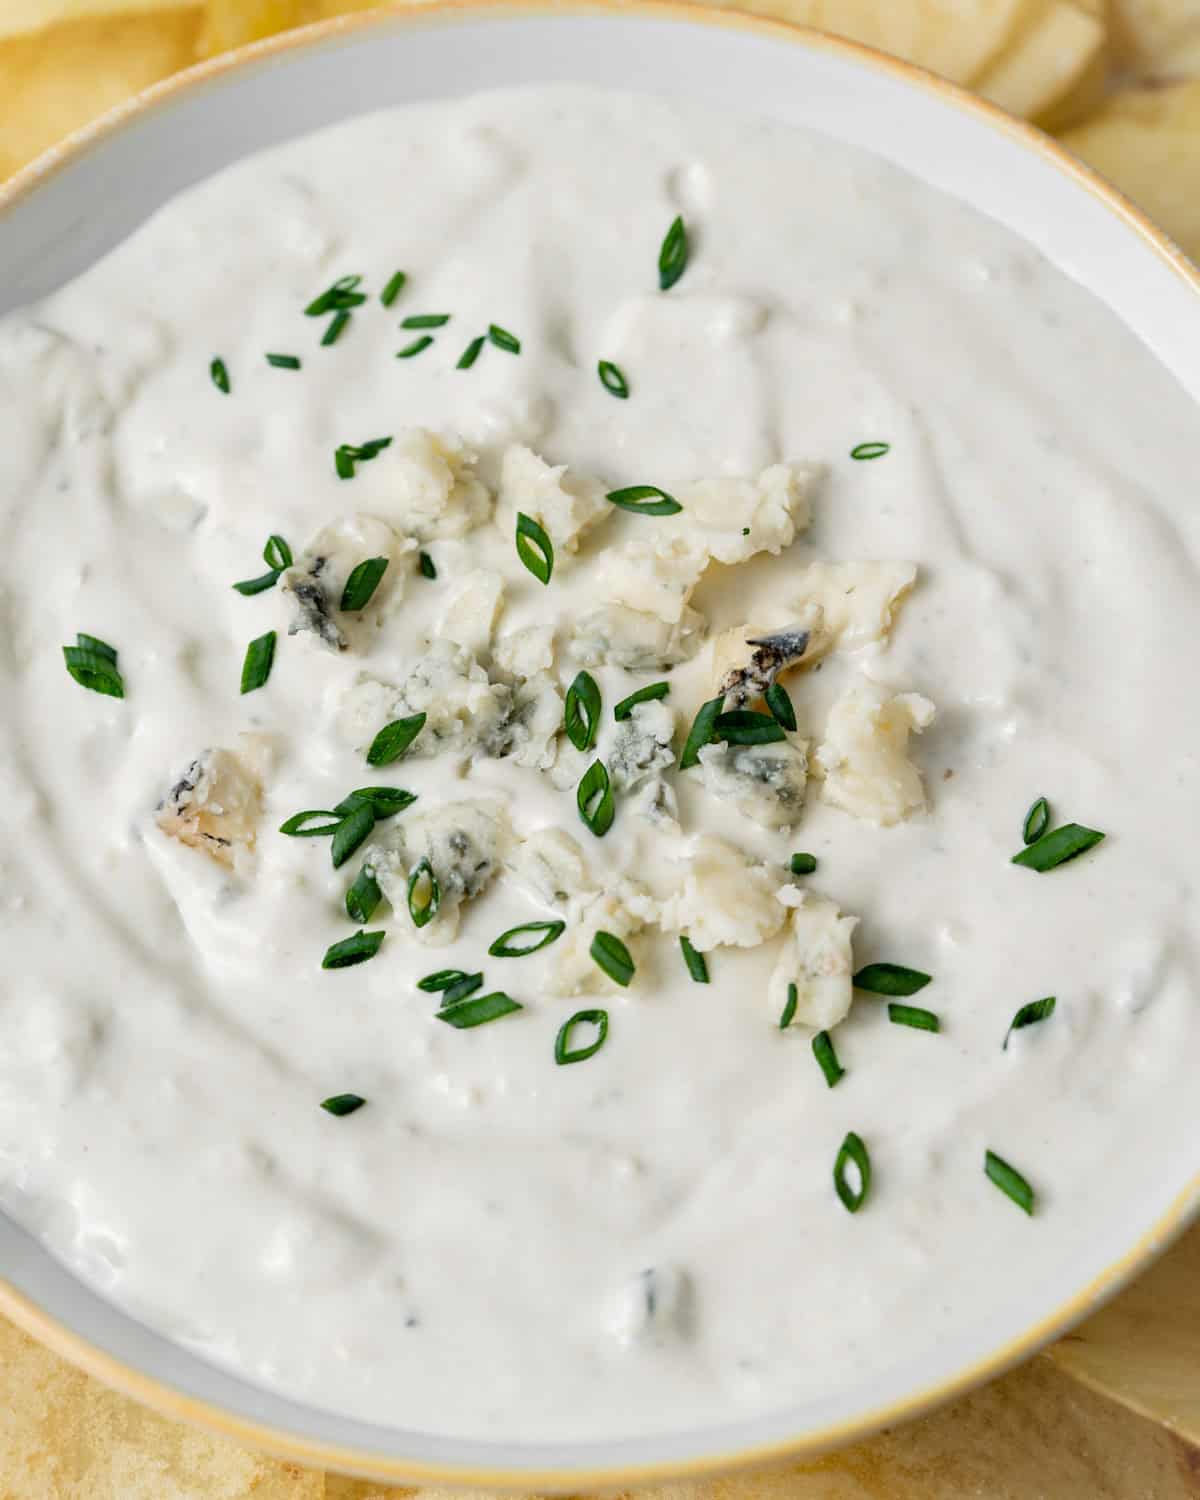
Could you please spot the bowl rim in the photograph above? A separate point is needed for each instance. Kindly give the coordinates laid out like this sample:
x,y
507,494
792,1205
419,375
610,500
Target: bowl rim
x,y
172,1403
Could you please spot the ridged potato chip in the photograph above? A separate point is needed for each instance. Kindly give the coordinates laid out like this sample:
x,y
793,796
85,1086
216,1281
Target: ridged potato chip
x,y
1159,38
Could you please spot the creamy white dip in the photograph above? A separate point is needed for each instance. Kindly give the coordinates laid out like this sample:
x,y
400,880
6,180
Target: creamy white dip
x,y
649,1238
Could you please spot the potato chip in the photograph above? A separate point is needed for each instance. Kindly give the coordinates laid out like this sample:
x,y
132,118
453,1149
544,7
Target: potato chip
x,y
233,23
59,79
1160,38
1054,55
1147,142
23,17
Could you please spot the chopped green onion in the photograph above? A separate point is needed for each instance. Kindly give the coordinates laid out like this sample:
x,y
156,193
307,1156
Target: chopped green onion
x,y
613,957
701,732
259,585
470,354
852,1150
418,346
441,979
347,455
426,320
334,331
464,1014
639,498
343,1104
362,583
356,827
423,910
1037,820
1030,1015
337,298
393,288
581,711
283,361
93,664
802,864
643,695
745,726
1054,849
890,979
594,799
277,554
788,1014
353,950
564,1053
394,739
461,988
870,450
613,380
534,548
697,964
363,896
427,566
297,827
503,339
914,1016
827,1058
384,801
219,372
1008,1180
672,255
256,668
781,706
548,932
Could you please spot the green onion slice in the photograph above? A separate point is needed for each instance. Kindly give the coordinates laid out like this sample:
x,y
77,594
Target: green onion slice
x,y
581,711
648,694
852,1152
781,706
353,950
351,832
424,894
348,455
219,373
259,585
503,339
1030,1015
418,346
827,1058
701,732
283,361
612,378
441,979
534,548
594,799
394,739
426,320
545,933
1009,1181
363,896
260,654
464,1014
393,288
613,957
644,500
384,801
914,1016
788,1014
277,554
564,1053
297,827
427,566
464,985
802,864
697,964
93,643
672,255
336,324
362,583
745,726
866,451
93,664
1054,849
341,295
343,1104
890,979
470,354
1037,820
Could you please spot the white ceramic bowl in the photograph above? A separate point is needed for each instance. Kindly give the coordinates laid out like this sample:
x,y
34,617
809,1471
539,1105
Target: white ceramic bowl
x,y
80,200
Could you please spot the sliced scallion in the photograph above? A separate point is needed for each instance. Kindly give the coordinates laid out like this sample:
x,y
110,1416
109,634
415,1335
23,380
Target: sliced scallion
x,y
441,979
827,1058
890,979
336,325
384,801
746,726
644,500
353,950
343,1104
464,985
1037,820
424,894
219,372
802,864
534,547
343,294
914,1016
1009,1181
581,711
418,346
542,934
1054,849
781,706
363,896
283,361
1030,1015
594,799
394,739
564,1053
852,1153
362,583
256,668
503,339
672,255
354,829
866,451
93,664
298,825
648,694
788,1014
697,964
611,954
426,320
701,732
394,287
470,354
612,378
427,566
465,1014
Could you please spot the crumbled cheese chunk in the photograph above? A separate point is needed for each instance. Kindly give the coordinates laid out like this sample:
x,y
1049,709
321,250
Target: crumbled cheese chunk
x,y
314,585
816,958
764,782
574,970
438,491
462,708
856,601
748,658
566,505
723,898
216,803
550,865
641,747
617,636
472,610
864,756
464,842
529,732
526,652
